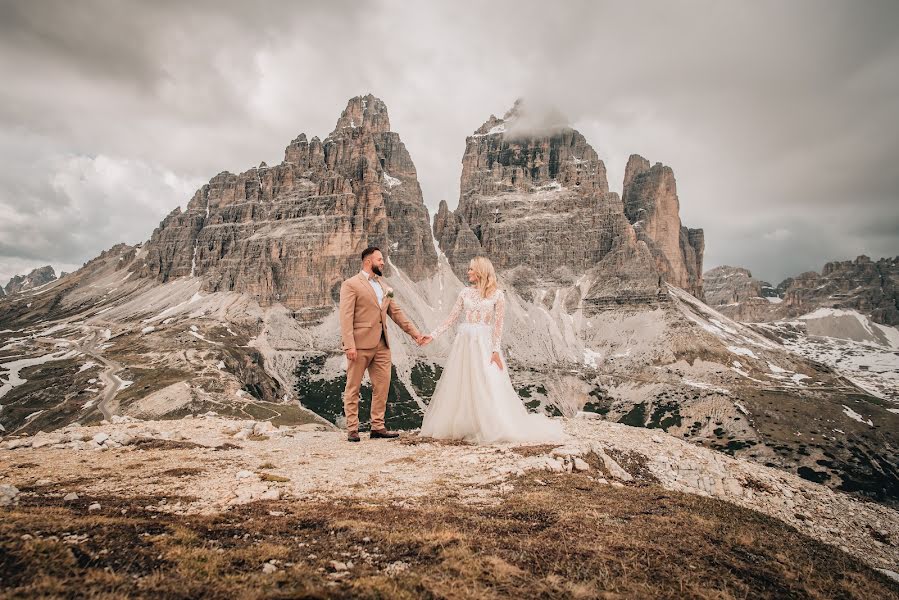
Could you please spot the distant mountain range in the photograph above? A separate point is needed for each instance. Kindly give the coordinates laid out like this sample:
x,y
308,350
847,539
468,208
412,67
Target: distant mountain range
x,y
869,287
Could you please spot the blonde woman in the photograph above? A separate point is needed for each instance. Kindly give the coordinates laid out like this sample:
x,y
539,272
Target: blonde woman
x,y
474,399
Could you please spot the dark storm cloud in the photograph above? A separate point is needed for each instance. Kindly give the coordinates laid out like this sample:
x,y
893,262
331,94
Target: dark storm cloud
x,y
778,118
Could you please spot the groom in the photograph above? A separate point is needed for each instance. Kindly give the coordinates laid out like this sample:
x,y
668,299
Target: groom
x,y
365,305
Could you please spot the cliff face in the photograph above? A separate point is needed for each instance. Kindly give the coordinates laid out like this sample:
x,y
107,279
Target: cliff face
x,y
727,285
537,202
292,232
652,206
538,205
861,284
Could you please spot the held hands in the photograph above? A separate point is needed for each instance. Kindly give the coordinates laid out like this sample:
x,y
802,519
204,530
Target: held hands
x,y
423,340
495,359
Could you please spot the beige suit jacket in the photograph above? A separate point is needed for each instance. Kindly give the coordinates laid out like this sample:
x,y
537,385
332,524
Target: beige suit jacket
x,y
361,319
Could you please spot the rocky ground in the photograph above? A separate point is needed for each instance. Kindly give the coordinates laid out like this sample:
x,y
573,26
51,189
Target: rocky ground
x,y
64,489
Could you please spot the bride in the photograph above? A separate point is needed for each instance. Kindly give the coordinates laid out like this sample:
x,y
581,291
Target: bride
x,y
474,399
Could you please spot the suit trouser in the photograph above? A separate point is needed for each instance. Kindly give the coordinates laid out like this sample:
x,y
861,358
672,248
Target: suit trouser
x,y
377,361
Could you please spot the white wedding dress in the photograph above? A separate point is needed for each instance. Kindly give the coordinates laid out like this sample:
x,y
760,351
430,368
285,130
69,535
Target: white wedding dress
x,y
474,399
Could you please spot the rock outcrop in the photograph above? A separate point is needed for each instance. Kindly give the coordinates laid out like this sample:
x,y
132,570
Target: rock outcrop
x,y
861,284
36,278
537,203
736,293
292,232
652,206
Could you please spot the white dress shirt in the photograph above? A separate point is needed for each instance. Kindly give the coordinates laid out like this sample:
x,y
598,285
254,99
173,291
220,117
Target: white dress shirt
x,y
379,291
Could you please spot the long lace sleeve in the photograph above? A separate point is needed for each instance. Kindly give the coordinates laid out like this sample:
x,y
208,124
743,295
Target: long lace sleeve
x,y
451,319
498,319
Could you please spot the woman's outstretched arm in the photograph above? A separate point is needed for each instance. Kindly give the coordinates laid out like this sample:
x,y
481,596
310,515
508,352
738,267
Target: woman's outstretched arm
x,y
451,319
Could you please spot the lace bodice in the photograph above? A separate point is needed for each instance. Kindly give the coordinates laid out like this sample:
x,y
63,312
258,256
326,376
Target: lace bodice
x,y
477,310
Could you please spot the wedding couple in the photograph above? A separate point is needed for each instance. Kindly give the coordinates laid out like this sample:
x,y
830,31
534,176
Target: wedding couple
x,y
474,399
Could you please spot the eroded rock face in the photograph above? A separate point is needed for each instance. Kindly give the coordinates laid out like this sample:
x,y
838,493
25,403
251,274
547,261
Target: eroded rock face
x,y
652,206
36,278
727,285
537,203
862,284
867,286
292,232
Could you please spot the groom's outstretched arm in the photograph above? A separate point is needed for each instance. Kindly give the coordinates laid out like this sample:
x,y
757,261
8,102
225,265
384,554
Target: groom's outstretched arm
x,y
400,318
346,310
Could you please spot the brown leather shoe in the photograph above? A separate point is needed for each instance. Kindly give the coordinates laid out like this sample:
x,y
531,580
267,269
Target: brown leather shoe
x,y
383,433
352,436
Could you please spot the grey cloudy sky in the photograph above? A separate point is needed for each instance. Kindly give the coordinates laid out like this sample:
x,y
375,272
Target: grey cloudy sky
x,y
778,118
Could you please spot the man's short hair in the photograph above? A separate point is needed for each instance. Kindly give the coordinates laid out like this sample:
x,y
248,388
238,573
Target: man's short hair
x,y
369,251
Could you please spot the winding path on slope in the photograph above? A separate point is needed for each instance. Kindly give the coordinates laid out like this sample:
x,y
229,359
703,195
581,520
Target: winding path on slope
x,y
109,376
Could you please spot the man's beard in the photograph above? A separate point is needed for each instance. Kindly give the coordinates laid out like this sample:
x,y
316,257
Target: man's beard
x,y
376,270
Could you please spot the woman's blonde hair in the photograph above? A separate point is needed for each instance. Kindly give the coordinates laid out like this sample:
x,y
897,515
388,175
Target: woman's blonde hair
x,y
486,275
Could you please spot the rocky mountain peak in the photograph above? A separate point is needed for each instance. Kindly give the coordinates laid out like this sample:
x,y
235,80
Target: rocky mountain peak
x,y
529,153
364,112
652,206
534,197
290,233
636,165
36,278
537,202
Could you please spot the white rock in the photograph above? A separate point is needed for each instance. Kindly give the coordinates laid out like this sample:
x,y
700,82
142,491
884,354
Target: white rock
x,y
44,440
70,496
613,467
243,474
580,464
396,567
101,437
272,494
94,507
567,451
268,568
337,565
8,494
551,464
263,427
122,438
